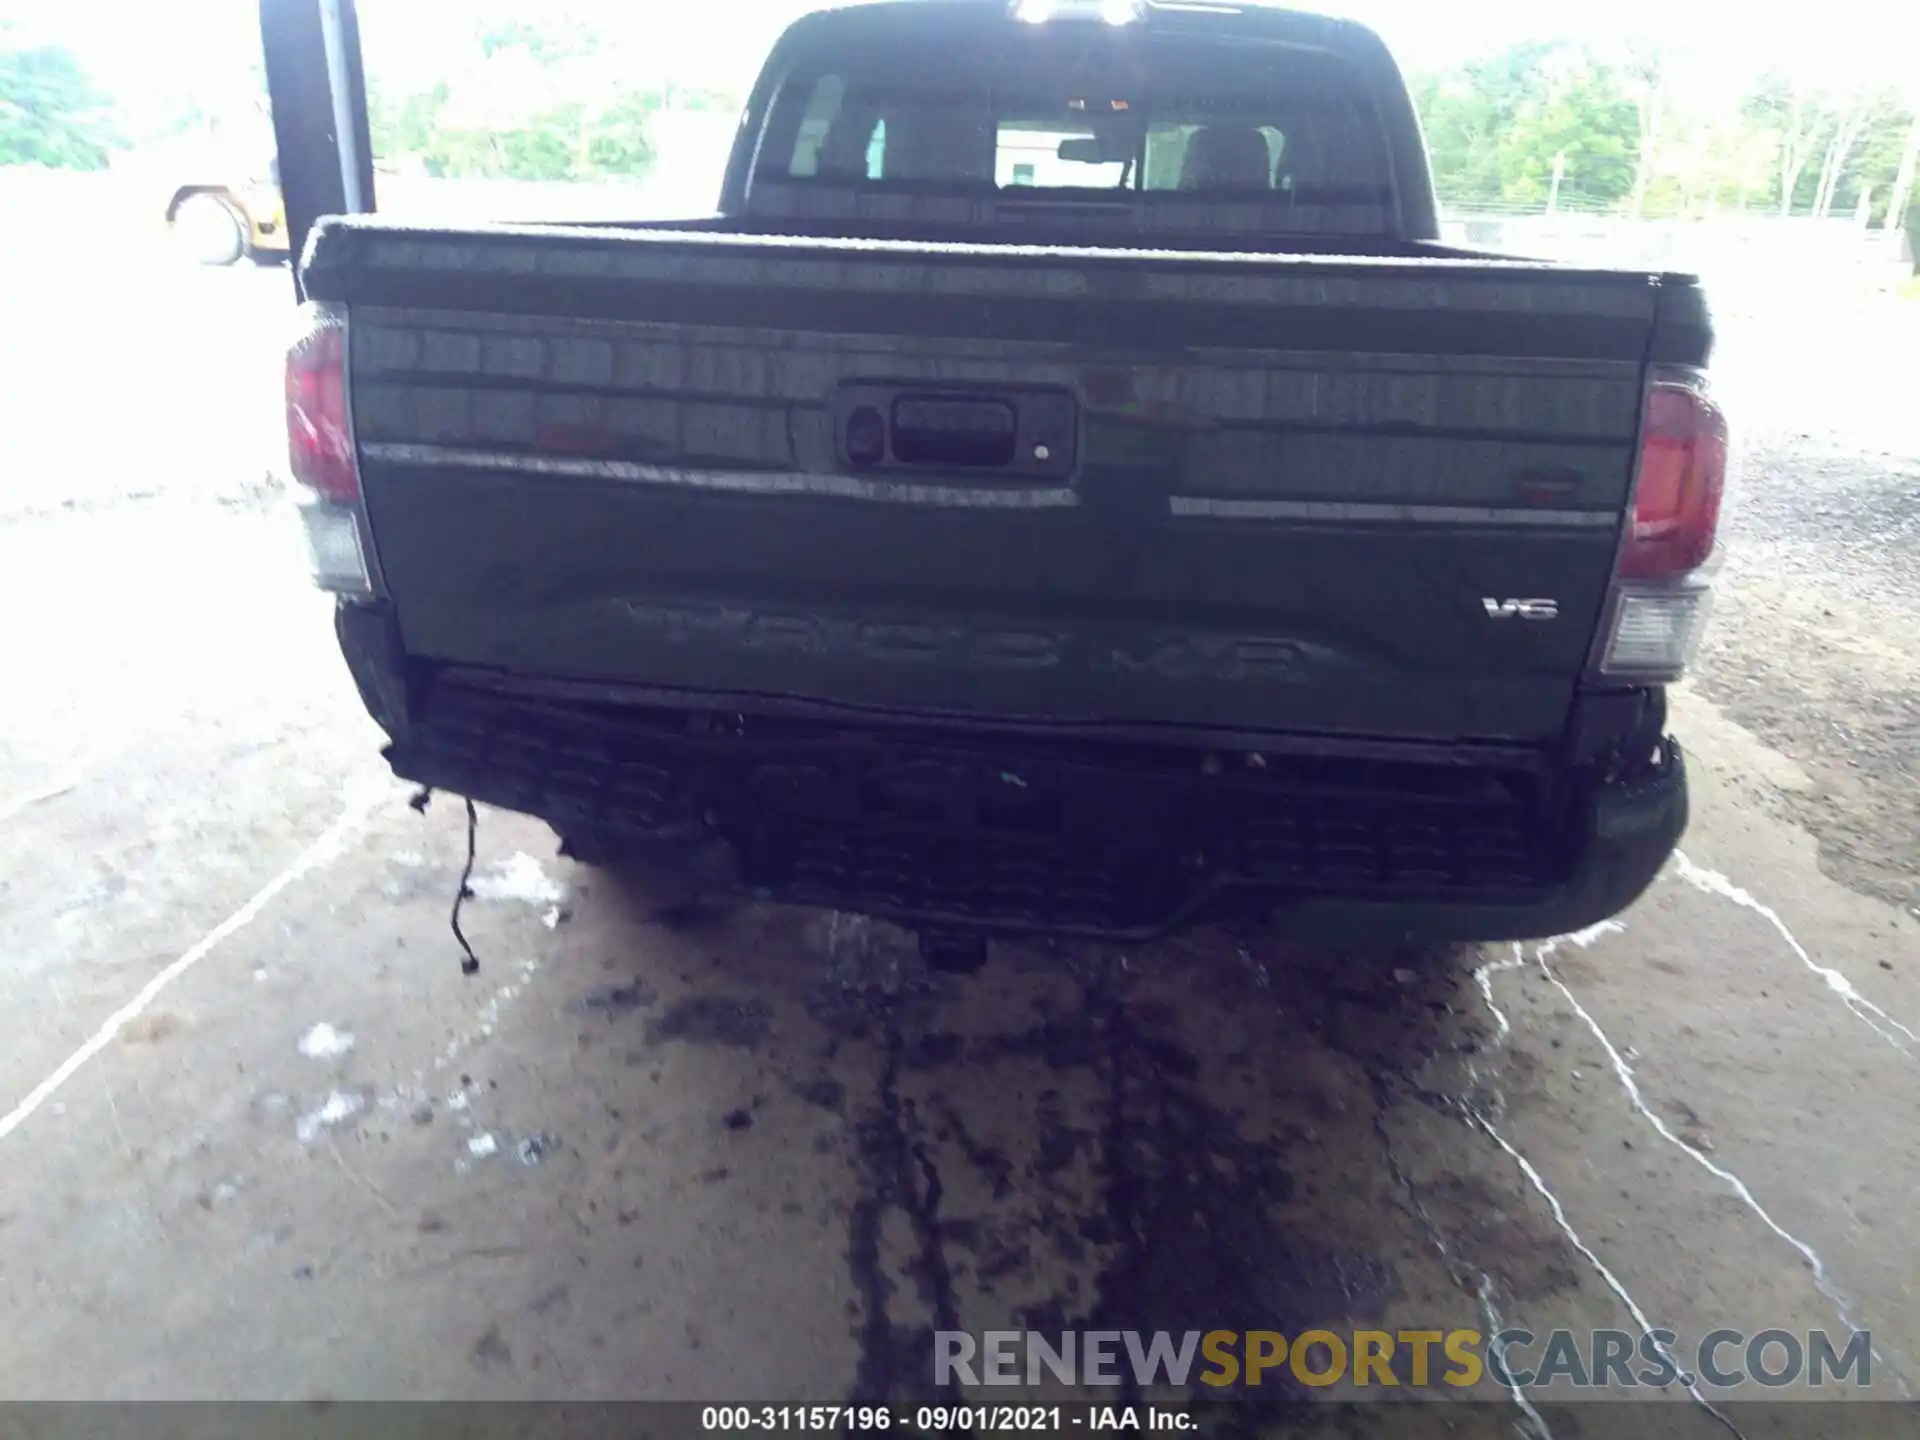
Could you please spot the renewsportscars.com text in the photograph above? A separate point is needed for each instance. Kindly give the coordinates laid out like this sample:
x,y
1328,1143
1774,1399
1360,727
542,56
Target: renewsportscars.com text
x,y
1381,1359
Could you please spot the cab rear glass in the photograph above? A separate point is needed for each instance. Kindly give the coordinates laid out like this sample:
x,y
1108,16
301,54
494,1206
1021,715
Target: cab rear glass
x,y
1064,113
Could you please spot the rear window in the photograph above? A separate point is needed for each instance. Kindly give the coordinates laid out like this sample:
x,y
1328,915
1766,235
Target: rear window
x,y
1070,111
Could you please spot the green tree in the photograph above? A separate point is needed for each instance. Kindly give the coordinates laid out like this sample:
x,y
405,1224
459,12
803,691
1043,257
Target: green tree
x,y
1496,126
554,42
1590,120
1782,110
1467,114
403,124
1875,164
50,112
616,139
532,100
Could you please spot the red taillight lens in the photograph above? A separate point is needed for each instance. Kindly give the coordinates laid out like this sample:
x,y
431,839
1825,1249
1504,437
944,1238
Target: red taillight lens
x,y
320,449
1683,473
319,434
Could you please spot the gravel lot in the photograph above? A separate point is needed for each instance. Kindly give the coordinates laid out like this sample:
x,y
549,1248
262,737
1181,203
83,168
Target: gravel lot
x,y
1816,643
261,1139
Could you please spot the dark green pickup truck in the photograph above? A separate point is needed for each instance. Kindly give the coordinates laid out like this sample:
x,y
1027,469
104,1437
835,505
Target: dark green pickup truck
x,y
1067,489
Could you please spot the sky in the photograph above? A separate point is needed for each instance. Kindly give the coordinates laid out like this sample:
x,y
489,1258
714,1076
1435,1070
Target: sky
x,y
720,42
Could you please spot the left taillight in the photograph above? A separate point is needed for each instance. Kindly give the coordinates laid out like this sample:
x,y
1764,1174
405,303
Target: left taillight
x,y
320,453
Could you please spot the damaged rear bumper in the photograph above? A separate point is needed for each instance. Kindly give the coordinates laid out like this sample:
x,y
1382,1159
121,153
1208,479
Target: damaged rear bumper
x,y
1629,830
987,833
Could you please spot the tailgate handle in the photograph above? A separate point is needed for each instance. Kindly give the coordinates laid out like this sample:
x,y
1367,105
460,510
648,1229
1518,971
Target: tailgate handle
x,y
1016,433
954,430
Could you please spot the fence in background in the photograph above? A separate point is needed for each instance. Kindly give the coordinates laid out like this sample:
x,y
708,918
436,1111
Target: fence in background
x,y
120,213
1740,255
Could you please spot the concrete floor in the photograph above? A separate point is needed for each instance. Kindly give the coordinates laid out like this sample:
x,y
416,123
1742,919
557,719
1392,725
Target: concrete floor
x,y
260,1138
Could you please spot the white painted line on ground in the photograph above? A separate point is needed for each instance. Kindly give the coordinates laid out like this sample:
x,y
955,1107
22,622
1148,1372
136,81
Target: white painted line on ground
x,y
1532,1423
1607,1276
1496,1327
1821,1279
321,851
1586,939
1714,883
1483,977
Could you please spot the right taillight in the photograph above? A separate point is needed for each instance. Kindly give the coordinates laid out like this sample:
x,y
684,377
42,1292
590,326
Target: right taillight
x,y
320,452
1683,473
1659,603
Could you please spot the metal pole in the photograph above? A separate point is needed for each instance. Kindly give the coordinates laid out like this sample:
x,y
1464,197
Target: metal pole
x,y
318,92
341,36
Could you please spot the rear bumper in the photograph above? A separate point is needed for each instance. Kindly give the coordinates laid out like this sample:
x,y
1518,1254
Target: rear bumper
x,y
1630,831
1012,834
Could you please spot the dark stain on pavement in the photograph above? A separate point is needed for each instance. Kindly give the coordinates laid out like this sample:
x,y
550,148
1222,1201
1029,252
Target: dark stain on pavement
x,y
490,1351
825,1092
713,1020
695,915
614,1001
1186,1233
896,1361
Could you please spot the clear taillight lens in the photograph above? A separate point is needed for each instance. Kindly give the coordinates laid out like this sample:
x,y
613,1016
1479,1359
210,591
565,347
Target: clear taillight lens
x,y
333,548
1655,631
